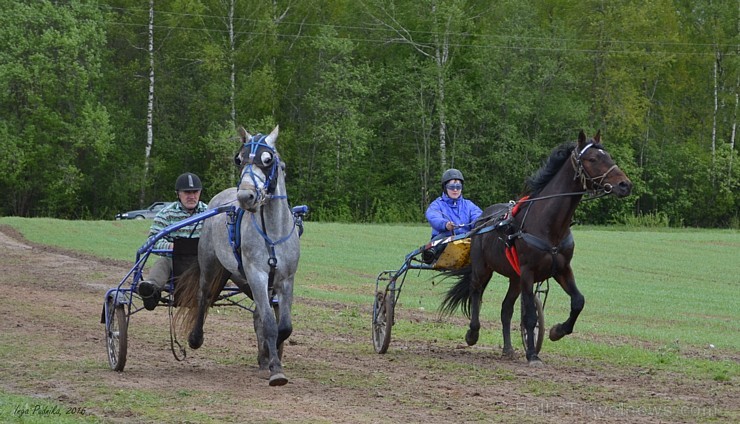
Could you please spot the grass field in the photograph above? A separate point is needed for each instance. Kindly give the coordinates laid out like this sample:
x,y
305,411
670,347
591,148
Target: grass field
x,y
655,299
671,287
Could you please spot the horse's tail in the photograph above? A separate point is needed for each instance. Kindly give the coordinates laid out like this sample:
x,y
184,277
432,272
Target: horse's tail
x,y
186,295
459,294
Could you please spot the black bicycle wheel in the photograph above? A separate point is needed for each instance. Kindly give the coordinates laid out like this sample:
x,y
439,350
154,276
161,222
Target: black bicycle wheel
x,y
116,336
382,321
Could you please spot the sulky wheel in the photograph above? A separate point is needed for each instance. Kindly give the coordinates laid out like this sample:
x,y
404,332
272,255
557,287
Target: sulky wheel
x,y
539,328
116,335
382,321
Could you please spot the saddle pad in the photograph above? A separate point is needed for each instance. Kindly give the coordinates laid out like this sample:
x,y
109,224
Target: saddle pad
x,y
455,256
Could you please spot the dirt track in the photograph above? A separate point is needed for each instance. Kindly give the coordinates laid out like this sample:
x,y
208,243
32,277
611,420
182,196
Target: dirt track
x,y
52,347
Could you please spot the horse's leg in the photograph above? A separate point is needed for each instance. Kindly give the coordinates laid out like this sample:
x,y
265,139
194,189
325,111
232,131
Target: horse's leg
x,y
507,311
568,282
267,331
263,354
478,281
530,315
195,340
285,303
282,314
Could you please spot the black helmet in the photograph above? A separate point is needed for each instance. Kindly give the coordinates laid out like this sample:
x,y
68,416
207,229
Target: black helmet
x,y
451,174
188,181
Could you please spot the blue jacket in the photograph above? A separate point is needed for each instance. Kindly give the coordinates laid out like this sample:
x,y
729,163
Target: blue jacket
x,y
459,211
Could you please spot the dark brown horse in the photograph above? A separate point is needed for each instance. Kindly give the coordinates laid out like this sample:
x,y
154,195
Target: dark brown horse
x,y
538,240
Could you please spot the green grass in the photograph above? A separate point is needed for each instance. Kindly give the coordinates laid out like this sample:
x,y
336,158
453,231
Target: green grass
x,y
106,239
660,299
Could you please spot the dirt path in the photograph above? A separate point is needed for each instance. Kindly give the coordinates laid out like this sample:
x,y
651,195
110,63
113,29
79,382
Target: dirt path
x,y
52,347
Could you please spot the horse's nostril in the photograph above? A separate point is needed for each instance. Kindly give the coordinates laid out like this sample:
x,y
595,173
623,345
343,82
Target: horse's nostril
x,y
248,196
625,186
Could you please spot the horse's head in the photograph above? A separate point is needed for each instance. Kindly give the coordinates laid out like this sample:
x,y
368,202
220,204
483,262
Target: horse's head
x,y
260,165
596,168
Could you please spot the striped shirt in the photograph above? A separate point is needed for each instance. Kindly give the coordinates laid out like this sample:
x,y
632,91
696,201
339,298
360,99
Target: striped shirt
x,y
171,214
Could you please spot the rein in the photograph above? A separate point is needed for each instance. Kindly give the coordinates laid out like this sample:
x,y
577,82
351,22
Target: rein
x,y
593,195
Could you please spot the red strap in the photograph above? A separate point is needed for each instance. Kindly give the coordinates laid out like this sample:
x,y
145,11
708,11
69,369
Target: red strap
x,y
513,258
511,253
518,205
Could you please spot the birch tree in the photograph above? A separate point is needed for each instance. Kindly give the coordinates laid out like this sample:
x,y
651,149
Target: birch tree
x,y
430,27
149,106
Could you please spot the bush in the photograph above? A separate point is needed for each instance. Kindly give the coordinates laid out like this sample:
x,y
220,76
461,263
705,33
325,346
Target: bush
x,y
649,220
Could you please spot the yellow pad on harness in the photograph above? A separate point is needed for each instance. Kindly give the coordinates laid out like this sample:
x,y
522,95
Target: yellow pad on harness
x,y
456,255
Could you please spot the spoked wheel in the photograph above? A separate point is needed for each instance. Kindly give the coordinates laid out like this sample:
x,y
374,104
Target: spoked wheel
x,y
382,321
116,336
539,328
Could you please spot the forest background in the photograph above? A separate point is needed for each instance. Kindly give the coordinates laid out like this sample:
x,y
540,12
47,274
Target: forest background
x,y
103,103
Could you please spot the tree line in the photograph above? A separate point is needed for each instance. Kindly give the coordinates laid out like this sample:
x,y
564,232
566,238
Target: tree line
x,y
103,103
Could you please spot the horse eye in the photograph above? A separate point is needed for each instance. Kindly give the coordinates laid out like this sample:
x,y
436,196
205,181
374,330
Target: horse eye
x,y
266,158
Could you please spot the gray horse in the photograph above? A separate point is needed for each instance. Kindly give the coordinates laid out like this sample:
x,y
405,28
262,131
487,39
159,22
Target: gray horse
x,y
269,251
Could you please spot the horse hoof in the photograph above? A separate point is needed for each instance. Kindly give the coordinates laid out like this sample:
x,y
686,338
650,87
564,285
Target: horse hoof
x,y
508,353
195,342
535,362
278,379
556,333
471,338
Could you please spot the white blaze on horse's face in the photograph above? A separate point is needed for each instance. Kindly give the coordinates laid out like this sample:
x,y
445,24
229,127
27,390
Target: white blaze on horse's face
x,y
257,162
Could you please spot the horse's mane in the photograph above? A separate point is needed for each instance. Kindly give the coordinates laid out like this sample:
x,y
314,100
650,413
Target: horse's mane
x,y
537,181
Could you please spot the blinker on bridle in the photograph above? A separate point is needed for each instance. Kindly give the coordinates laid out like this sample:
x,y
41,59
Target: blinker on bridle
x,y
254,145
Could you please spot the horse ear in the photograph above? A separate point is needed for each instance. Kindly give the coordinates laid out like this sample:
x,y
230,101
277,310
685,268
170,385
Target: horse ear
x,y
582,139
597,137
244,134
272,138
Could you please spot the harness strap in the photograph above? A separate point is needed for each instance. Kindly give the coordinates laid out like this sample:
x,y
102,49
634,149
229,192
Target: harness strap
x,y
532,240
272,261
234,226
510,250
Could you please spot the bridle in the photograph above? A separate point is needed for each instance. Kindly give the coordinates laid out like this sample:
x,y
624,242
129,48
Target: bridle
x,y
269,165
596,183
266,158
